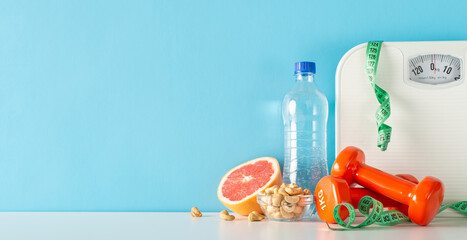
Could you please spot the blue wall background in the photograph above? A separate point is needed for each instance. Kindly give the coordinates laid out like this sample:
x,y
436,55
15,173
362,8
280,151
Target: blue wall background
x,y
144,105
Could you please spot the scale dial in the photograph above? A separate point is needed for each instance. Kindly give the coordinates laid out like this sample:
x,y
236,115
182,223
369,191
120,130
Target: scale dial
x,y
435,69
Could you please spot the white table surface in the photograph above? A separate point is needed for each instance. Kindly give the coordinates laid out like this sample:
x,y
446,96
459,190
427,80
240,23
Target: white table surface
x,y
145,225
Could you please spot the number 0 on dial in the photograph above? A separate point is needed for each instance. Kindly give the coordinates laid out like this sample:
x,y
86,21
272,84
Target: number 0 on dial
x,y
435,69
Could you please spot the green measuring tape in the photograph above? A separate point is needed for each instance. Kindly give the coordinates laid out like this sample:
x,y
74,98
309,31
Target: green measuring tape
x,y
384,111
372,209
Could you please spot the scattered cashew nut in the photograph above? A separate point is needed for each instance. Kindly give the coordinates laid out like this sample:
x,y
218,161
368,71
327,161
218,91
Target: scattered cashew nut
x,y
255,216
226,216
195,212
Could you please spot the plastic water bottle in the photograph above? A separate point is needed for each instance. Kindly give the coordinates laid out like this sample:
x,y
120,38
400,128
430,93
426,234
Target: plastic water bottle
x,y
305,114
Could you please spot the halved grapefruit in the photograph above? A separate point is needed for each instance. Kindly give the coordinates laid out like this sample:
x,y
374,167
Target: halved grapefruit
x,y
238,188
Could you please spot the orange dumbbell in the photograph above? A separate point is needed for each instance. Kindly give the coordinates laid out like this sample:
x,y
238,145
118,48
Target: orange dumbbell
x,y
331,191
424,199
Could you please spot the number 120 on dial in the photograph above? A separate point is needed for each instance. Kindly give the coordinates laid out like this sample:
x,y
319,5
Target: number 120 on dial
x,y
435,69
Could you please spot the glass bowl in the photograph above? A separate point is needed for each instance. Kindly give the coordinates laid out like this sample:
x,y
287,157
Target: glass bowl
x,y
284,208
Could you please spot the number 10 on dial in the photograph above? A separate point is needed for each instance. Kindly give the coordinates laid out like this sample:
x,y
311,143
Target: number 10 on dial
x,y
435,69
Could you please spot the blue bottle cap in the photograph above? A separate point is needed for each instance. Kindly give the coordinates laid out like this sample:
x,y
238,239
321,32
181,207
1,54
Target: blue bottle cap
x,y
305,67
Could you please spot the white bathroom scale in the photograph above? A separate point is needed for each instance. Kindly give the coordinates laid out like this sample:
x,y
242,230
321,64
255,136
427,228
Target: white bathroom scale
x,y
428,96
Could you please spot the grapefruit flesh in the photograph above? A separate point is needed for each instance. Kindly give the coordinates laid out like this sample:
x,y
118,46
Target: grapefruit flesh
x,y
238,188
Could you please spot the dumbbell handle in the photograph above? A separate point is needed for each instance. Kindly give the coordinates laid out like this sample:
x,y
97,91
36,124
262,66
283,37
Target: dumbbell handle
x,y
357,193
378,180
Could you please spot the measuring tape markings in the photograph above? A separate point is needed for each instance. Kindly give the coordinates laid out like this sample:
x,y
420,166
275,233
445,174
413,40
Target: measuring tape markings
x,y
384,110
372,209
458,206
